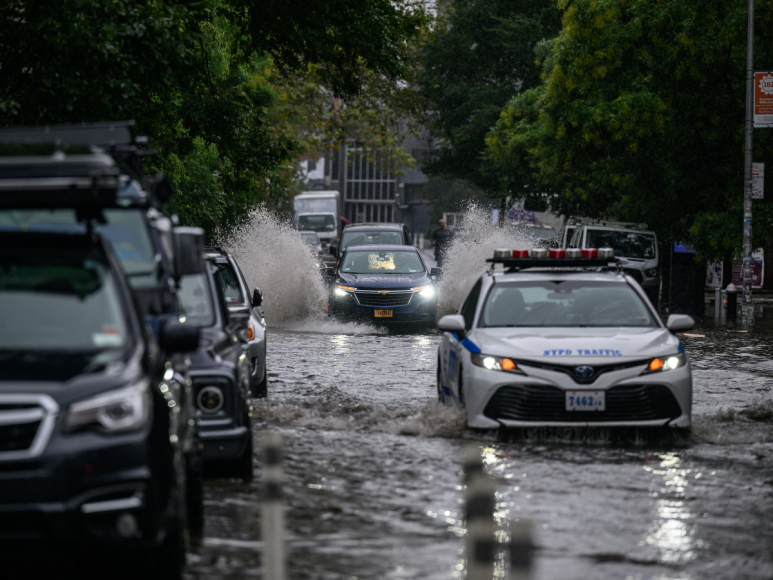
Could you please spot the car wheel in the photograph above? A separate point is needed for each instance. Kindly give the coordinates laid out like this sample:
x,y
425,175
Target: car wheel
x,y
440,395
260,391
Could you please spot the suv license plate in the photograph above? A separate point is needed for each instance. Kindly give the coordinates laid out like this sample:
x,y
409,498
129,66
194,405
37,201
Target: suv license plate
x,y
383,313
585,400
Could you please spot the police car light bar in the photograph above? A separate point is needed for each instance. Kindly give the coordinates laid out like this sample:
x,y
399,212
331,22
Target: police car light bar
x,y
555,258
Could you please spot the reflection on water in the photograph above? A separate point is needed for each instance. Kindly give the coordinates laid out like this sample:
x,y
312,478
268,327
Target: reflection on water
x,y
672,533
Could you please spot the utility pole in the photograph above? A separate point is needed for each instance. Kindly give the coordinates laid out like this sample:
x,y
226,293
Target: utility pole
x,y
747,308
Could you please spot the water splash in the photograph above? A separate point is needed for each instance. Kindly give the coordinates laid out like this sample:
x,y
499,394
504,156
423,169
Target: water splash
x,y
273,257
466,258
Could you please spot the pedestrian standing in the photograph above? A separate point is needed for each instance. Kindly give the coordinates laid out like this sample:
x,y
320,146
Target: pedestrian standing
x,y
441,239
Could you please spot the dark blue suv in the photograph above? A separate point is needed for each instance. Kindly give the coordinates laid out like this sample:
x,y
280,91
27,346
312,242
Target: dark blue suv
x,y
383,285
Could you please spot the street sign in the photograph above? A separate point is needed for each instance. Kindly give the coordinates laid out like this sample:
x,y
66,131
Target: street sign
x,y
758,180
763,100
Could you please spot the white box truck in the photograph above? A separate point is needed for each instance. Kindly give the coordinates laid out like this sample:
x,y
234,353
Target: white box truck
x,y
318,211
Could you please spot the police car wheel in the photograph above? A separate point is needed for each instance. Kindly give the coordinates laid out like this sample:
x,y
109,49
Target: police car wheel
x,y
440,396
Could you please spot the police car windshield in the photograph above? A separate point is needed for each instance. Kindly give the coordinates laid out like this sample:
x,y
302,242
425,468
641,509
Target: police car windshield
x,y
383,262
196,303
61,299
376,238
564,303
625,243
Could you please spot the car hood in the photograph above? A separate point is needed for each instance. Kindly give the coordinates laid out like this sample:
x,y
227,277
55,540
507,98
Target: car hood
x,y
384,280
568,345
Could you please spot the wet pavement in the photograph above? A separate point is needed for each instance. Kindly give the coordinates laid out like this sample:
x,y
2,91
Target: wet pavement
x,y
373,471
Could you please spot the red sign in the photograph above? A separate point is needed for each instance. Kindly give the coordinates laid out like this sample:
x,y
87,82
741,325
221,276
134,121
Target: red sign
x,y
763,99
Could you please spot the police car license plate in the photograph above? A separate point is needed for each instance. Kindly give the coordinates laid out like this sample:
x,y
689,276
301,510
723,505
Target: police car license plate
x,y
585,400
383,313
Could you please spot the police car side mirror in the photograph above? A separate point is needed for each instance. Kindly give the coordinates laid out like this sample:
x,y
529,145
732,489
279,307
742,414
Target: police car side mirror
x,y
257,297
177,337
680,322
188,251
452,323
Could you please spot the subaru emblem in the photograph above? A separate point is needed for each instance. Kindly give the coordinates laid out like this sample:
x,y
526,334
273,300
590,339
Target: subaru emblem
x,y
584,372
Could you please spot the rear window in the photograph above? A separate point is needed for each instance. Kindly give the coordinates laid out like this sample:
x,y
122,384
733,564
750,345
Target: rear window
x,y
229,284
564,303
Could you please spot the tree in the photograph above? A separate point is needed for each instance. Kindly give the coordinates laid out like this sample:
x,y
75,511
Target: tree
x,y
641,115
478,57
194,76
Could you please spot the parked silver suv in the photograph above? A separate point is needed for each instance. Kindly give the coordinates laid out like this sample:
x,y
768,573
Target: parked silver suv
x,y
636,249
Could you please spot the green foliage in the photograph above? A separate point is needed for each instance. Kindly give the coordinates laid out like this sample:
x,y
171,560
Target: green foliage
x,y
195,77
478,57
640,116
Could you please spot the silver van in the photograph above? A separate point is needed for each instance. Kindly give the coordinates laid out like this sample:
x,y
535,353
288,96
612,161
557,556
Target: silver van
x,y
637,249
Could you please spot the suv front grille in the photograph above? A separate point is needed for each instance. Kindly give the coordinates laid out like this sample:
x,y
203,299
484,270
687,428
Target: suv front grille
x,y
26,423
386,298
546,403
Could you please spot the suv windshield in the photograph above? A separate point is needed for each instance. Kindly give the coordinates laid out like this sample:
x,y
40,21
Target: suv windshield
x,y
196,304
61,299
317,223
625,243
361,262
375,238
564,303
125,228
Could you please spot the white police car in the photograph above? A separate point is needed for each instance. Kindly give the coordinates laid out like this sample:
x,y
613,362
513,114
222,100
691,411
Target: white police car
x,y
548,343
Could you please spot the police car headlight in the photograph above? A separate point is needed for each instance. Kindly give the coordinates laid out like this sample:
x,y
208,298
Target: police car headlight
x,y
666,363
125,409
495,363
425,291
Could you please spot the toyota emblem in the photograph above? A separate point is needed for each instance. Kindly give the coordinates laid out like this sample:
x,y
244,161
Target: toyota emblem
x,y
583,372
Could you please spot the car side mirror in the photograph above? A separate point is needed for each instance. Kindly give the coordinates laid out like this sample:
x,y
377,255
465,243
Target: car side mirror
x,y
257,297
177,337
188,251
452,323
680,322
437,272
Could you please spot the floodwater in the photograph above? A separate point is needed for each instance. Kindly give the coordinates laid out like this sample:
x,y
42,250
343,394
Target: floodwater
x,y
373,471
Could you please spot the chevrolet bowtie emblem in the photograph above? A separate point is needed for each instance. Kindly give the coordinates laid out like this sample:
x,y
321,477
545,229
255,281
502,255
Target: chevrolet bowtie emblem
x,y
383,292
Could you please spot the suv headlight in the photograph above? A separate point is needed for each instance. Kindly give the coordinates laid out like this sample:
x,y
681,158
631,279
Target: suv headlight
x,y
651,273
124,409
342,291
425,291
495,363
666,363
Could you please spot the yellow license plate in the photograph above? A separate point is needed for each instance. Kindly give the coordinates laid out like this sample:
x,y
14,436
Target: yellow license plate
x,y
383,313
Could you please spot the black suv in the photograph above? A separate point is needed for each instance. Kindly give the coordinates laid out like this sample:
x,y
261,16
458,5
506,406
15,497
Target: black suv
x,y
239,301
221,374
371,234
88,177
91,419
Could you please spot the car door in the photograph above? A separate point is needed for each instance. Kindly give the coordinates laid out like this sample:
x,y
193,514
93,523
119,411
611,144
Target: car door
x,y
453,360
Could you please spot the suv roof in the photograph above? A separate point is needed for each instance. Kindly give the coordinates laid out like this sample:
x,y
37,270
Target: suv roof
x,y
375,225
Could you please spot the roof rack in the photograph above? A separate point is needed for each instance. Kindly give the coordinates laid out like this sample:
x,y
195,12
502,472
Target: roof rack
x,y
75,166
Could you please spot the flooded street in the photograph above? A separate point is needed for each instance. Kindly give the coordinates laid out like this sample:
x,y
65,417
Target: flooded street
x,y
373,471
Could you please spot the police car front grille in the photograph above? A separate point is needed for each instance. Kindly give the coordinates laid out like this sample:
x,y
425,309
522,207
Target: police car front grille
x,y
383,299
545,403
569,369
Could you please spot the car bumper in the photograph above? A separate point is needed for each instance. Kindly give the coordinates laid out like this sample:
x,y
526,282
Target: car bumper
x,y
654,400
222,440
76,492
417,311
